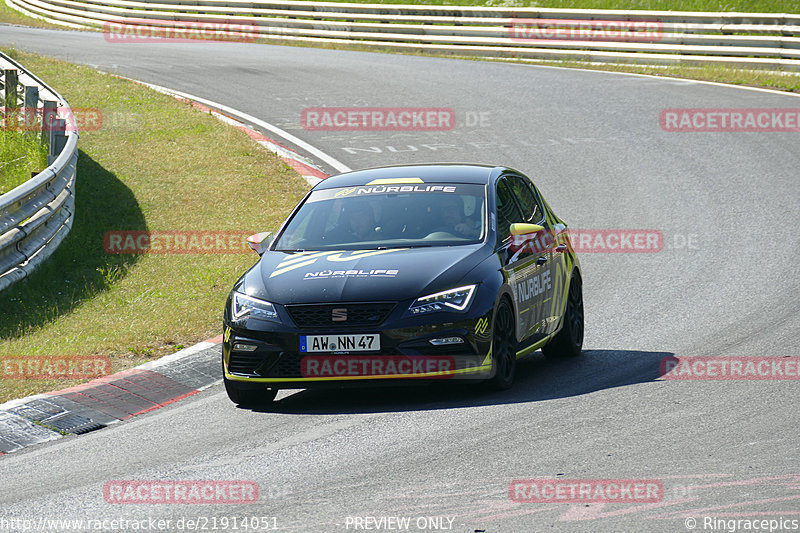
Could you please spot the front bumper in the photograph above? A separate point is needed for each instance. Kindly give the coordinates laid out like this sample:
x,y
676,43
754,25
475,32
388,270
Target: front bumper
x,y
273,357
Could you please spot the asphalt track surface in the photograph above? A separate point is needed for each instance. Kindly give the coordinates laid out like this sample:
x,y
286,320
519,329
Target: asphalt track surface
x,y
593,144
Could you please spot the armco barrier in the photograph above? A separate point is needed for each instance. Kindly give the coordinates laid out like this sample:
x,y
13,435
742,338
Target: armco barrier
x,y
36,216
761,40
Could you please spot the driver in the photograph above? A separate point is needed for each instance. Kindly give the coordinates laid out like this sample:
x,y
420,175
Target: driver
x,y
454,220
358,222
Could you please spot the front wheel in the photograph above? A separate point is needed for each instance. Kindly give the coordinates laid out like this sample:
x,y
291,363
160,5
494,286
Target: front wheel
x,y
568,342
504,349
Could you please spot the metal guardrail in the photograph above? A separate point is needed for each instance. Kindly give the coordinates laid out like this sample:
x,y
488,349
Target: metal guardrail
x,y
762,40
37,215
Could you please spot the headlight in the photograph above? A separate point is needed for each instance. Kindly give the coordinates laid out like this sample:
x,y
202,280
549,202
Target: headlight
x,y
452,300
244,307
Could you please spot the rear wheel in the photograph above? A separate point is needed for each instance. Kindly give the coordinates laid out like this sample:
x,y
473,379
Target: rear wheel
x,y
248,394
568,342
504,348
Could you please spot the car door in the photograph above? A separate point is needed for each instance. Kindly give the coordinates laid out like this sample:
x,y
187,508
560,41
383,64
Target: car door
x,y
540,274
559,263
524,264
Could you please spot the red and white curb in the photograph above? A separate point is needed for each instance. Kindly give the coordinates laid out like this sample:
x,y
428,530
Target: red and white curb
x,y
155,384
110,399
308,170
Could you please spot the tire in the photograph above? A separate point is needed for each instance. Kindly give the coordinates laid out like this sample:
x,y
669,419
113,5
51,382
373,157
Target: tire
x,y
568,342
504,348
248,394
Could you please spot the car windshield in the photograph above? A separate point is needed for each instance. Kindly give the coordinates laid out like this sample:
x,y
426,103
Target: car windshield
x,y
388,216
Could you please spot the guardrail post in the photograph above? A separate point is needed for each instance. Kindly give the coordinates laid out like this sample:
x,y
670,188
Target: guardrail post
x,y
31,96
31,101
3,99
49,115
12,93
59,139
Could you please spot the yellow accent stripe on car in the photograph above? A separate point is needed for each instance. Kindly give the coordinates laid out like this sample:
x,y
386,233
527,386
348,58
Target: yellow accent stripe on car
x,y
303,256
533,347
393,181
292,267
361,253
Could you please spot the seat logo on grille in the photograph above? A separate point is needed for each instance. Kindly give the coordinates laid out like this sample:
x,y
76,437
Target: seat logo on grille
x,y
339,315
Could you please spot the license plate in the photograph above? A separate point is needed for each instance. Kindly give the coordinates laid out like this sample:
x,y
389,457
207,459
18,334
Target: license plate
x,y
340,343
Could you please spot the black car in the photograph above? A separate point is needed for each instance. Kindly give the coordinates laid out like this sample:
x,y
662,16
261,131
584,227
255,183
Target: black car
x,y
404,273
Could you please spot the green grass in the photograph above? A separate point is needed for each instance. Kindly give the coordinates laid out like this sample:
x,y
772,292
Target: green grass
x,y
748,6
12,16
155,164
752,6
21,154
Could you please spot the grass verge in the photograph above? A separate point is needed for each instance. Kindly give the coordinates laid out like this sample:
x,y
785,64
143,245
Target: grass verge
x,y
156,164
750,6
12,16
21,154
746,6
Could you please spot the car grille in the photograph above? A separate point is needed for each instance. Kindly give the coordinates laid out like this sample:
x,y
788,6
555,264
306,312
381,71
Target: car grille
x,y
288,366
252,363
243,363
359,315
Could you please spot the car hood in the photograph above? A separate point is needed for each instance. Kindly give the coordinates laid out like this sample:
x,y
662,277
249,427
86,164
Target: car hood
x,y
362,275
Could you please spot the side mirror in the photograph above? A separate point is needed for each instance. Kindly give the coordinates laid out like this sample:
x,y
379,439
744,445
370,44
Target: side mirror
x,y
260,242
520,228
529,239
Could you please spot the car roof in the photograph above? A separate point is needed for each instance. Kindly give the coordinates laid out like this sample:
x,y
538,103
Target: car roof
x,y
428,173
